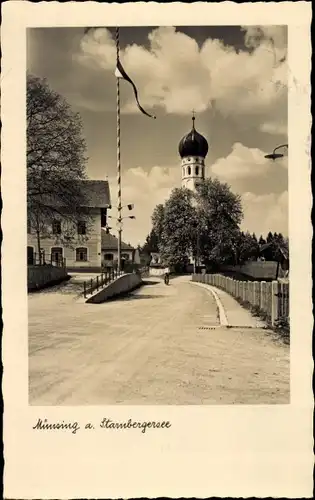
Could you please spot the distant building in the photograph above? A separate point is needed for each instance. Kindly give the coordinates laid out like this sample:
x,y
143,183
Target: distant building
x,y
110,251
155,259
84,250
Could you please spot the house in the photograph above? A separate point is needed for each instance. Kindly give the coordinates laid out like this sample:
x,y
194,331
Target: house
x,y
83,251
155,259
110,250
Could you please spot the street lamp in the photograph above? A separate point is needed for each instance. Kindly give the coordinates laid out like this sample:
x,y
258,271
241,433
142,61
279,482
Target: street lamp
x,y
273,156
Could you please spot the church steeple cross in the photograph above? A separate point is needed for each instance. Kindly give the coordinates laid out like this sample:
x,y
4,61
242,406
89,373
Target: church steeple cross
x,y
193,118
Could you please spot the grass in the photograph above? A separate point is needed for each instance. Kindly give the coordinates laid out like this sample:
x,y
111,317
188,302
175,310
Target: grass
x,y
281,326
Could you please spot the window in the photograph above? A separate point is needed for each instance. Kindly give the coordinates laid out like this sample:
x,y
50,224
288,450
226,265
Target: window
x,y
197,170
81,254
81,227
103,217
108,256
56,254
125,256
56,227
30,256
189,170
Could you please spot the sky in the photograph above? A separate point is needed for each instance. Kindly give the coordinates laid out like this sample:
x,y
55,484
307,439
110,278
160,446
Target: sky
x,y
233,77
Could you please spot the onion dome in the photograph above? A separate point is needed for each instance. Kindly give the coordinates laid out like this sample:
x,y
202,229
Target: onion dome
x,y
193,144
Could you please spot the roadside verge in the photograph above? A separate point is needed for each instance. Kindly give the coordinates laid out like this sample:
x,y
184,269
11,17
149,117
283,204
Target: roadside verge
x,y
231,313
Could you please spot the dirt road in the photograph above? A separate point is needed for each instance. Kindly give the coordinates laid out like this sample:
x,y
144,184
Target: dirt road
x,y
161,345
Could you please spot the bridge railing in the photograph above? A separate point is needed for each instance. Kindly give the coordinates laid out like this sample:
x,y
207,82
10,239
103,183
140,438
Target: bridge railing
x,y
97,283
103,279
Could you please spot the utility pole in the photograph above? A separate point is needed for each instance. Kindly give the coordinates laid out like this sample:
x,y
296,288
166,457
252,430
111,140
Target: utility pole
x,y
119,220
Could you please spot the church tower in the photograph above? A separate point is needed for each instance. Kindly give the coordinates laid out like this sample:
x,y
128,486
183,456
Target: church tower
x,y
193,149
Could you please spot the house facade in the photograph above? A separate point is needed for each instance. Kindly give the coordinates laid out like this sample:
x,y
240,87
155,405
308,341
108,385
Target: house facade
x,y
110,251
84,250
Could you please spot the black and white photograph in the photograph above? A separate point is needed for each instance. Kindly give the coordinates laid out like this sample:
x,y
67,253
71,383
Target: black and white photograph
x,y
156,250
157,199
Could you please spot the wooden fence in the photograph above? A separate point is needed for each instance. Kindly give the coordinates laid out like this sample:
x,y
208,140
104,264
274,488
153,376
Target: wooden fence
x,y
272,297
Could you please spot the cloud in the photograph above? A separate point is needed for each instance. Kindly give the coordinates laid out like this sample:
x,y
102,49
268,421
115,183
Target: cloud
x,y
274,128
178,76
145,190
262,213
243,164
268,212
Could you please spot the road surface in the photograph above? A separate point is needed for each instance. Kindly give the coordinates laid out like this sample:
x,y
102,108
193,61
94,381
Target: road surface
x,y
160,345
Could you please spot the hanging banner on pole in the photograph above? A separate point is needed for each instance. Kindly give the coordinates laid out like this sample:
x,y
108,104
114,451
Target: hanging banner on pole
x,y
121,73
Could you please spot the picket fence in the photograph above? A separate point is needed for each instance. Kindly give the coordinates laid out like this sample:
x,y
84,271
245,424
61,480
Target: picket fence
x,y
271,297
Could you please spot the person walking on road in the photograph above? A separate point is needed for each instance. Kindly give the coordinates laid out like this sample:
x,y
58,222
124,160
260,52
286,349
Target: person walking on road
x,y
167,276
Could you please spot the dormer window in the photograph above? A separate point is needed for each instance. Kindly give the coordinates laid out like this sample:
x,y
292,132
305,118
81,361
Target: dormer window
x,y
81,227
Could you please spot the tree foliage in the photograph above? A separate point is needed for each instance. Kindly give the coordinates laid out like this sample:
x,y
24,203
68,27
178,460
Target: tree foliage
x,y
247,247
274,247
219,214
151,243
204,224
55,159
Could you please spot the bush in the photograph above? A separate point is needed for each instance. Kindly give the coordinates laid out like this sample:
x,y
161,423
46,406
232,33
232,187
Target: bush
x,y
283,324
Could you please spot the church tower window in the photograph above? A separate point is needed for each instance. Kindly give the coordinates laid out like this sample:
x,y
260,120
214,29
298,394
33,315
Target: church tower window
x,y
189,170
197,170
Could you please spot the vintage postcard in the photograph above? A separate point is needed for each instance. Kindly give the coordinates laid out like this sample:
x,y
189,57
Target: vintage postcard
x,y
156,253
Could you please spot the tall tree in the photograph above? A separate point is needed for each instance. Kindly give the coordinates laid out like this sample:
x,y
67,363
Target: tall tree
x,y
248,247
55,161
174,224
151,243
204,224
158,220
219,215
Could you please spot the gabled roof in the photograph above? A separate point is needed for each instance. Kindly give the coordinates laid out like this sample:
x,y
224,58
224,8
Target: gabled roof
x,y
110,242
281,250
96,193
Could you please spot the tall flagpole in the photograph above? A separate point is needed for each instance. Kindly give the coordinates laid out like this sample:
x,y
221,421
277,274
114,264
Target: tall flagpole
x,y
119,219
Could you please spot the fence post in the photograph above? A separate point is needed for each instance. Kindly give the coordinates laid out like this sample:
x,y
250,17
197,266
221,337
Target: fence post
x,y
250,292
84,289
91,285
274,302
262,304
254,293
97,283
